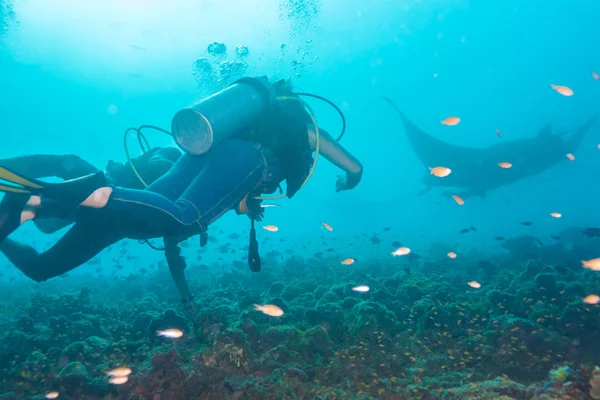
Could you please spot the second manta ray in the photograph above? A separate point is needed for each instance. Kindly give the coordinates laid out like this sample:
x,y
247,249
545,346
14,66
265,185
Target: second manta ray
x,y
475,171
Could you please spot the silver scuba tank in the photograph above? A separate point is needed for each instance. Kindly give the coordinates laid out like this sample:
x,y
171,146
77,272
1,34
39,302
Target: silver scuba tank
x,y
222,115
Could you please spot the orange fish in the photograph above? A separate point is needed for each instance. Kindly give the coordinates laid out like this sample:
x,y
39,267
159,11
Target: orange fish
x,y
170,333
591,299
402,251
504,164
269,309
556,215
270,228
452,254
451,121
121,371
565,91
594,264
595,76
440,172
498,133
327,226
118,380
571,157
458,200
348,261
474,284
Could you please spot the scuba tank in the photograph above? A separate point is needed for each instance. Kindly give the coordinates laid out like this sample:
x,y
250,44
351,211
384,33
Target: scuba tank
x,y
222,115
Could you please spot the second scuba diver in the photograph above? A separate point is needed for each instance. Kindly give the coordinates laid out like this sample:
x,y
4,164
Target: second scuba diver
x,y
240,143
91,233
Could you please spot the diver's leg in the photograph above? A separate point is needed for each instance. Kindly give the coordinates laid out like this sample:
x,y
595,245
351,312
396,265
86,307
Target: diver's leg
x,y
232,169
79,245
11,213
36,166
225,180
172,184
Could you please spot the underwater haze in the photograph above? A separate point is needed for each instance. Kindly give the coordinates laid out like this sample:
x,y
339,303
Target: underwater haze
x,y
465,265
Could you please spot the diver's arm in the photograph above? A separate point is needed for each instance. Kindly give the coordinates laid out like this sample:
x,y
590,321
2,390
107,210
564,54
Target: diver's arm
x,y
338,156
177,266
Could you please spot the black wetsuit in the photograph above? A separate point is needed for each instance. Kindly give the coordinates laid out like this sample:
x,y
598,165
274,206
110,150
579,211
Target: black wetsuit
x,y
92,232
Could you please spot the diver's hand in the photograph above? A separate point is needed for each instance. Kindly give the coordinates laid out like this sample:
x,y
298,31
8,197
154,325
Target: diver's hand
x,y
341,183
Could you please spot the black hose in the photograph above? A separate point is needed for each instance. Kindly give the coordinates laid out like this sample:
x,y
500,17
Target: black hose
x,y
151,245
332,104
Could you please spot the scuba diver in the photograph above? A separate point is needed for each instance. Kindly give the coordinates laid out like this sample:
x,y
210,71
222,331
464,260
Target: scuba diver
x,y
91,233
239,144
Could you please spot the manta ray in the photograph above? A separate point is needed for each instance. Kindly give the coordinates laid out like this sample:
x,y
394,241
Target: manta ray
x,y
475,171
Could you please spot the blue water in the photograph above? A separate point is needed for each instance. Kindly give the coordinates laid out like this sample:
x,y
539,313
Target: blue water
x,y
64,63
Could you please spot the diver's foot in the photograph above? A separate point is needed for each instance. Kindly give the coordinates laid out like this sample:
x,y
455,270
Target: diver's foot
x,y
99,198
11,208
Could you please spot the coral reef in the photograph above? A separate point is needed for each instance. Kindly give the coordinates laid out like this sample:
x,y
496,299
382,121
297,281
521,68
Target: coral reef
x,y
416,334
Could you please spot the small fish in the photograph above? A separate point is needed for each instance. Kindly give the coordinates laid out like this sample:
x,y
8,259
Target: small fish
x,y
555,214
375,239
348,261
121,371
499,238
402,251
396,244
526,223
327,226
451,121
595,76
505,165
118,380
170,333
413,257
474,284
452,254
269,205
498,133
594,264
556,237
564,90
465,230
136,47
52,395
318,254
570,156
458,200
440,172
269,309
270,228
234,236
591,299
362,289
387,229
